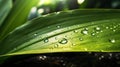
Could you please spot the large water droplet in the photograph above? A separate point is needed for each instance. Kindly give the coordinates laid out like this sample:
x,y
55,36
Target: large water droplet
x,y
46,40
63,41
112,40
85,32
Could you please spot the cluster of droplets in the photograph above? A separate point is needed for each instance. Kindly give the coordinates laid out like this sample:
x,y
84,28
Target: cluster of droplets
x,y
85,31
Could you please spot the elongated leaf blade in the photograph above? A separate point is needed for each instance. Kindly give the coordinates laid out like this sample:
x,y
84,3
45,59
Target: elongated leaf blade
x,y
72,31
17,16
5,7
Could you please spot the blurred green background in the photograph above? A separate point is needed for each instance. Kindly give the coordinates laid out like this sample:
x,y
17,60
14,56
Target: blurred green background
x,y
49,6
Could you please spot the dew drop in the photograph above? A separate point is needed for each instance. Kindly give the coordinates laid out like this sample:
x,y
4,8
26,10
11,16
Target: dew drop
x,y
114,27
114,30
63,41
111,28
86,28
75,31
97,28
97,32
93,34
35,34
46,40
58,26
73,44
107,27
85,32
101,31
80,39
56,45
112,40
97,36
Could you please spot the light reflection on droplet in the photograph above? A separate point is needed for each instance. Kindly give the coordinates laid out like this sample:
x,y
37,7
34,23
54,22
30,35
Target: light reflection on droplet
x,y
93,34
85,32
58,26
97,28
35,34
112,40
107,27
80,39
46,40
63,41
56,45
75,31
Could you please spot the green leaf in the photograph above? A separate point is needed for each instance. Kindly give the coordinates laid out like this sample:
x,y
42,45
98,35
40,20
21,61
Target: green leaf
x,y
5,7
72,31
17,16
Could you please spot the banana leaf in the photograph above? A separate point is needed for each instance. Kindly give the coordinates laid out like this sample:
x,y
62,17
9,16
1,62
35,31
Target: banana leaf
x,y
66,31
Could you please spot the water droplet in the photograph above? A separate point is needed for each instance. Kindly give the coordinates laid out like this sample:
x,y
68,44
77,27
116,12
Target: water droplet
x,y
85,32
46,40
114,27
97,36
56,38
35,34
63,41
86,29
73,44
58,26
112,40
80,39
107,27
114,30
111,28
56,45
97,28
101,31
97,32
93,34
75,31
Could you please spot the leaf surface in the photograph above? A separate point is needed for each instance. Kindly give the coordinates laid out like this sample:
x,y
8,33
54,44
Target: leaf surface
x,y
71,31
